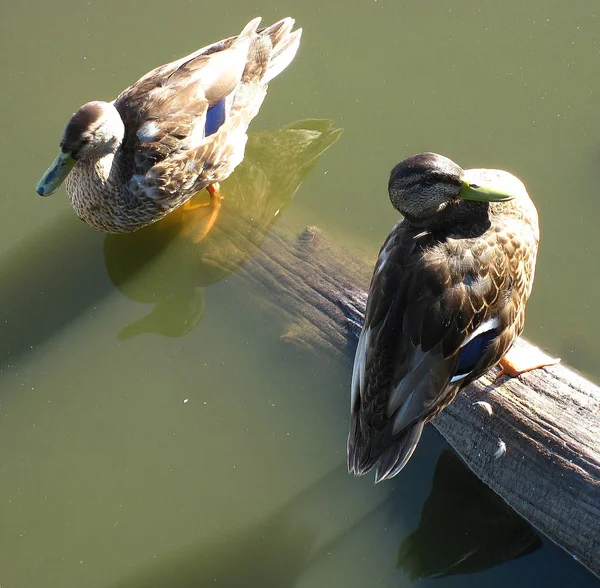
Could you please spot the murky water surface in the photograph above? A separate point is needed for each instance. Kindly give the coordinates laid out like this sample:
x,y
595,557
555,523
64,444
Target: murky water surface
x,y
155,430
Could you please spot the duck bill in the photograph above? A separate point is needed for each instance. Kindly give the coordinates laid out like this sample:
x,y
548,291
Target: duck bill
x,y
475,189
56,174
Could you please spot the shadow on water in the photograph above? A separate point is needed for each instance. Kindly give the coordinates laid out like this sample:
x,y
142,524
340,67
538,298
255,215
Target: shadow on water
x,y
465,527
166,265
271,553
56,276
47,282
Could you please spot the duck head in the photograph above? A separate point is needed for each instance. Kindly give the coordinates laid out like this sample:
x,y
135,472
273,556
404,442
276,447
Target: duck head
x,y
95,130
423,186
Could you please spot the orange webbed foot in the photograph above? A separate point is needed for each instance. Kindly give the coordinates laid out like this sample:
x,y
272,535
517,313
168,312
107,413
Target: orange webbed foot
x,y
214,204
517,361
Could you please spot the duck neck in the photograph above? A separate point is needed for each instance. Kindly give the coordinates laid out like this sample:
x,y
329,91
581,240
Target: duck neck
x,y
94,184
105,167
463,219
103,171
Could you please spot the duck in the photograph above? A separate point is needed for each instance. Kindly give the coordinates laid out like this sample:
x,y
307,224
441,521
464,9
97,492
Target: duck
x,y
445,304
179,129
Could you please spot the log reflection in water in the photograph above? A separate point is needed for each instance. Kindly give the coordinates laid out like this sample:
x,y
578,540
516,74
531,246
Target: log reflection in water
x,y
163,264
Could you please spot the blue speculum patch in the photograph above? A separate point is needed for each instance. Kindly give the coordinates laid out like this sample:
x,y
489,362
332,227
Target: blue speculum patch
x,y
471,353
215,117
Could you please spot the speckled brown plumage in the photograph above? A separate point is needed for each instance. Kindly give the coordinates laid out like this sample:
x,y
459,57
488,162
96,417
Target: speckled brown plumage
x,y
435,283
165,157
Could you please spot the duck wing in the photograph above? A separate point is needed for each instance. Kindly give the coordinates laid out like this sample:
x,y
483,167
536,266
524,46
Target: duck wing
x,y
187,121
165,111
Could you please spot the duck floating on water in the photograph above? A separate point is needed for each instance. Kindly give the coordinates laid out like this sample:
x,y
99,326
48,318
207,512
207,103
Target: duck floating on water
x,y
179,129
446,303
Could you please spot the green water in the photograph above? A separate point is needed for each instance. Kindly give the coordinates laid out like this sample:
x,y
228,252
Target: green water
x,y
195,448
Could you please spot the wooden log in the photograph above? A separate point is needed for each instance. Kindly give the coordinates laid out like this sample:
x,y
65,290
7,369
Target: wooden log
x,y
535,440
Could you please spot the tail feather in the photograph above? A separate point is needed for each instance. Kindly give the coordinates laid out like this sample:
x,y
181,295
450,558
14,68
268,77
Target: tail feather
x,y
284,46
397,456
389,454
278,30
249,30
361,457
271,52
280,60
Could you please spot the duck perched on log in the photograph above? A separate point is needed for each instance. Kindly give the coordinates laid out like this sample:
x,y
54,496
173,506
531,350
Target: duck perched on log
x,y
179,129
446,303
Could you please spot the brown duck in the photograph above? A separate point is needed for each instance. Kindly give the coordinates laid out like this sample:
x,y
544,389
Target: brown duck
x,y
446,302
179,129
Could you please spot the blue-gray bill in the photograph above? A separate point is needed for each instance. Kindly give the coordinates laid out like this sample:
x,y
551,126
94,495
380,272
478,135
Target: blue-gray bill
x,y
56,174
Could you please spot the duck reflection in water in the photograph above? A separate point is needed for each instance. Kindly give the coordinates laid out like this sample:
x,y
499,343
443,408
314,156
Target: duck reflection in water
x,y
465,527
168,264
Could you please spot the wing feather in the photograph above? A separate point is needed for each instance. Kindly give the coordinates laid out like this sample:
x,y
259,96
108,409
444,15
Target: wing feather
x,y
428,297
173,100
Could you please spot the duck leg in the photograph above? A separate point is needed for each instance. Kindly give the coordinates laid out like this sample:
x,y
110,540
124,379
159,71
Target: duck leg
x,y
517,362
215,205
